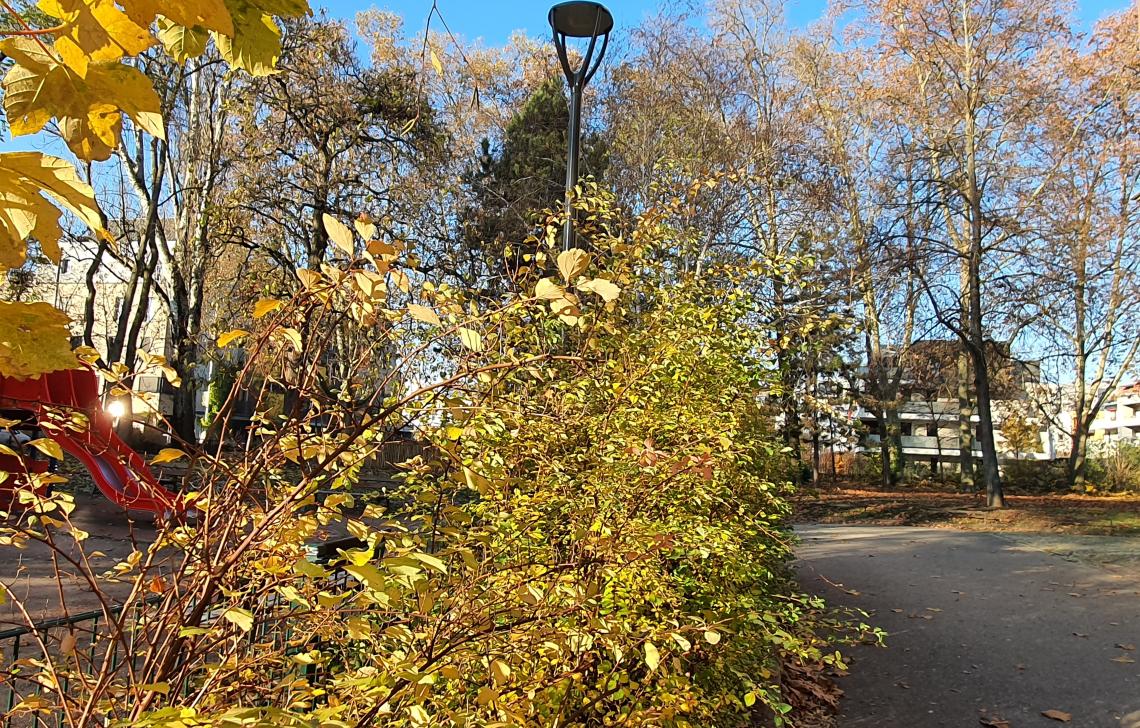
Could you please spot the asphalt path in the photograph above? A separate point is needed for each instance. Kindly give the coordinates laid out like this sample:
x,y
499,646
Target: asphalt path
x,y
984,628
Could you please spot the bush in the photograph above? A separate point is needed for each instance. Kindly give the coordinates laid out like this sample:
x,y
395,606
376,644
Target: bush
x,y
597,535
1115,468
1035,476
868,466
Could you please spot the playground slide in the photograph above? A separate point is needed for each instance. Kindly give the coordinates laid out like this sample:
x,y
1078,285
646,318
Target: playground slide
x,y
119,472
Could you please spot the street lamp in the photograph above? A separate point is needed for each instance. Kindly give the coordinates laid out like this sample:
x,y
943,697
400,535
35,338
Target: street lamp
x,y
578,19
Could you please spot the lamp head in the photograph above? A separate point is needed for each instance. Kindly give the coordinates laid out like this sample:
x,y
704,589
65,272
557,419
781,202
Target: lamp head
x,y
581,19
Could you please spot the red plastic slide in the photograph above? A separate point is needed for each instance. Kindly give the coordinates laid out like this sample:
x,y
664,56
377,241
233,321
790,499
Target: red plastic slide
x,y
120,473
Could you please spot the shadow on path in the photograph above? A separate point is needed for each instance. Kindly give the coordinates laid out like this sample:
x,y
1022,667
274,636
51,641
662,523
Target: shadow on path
x,y
982,626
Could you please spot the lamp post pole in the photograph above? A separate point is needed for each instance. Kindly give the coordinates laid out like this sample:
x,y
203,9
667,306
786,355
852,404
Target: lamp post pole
x,y
578,19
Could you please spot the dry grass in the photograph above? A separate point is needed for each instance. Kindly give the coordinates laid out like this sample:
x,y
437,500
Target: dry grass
x,y
1077,514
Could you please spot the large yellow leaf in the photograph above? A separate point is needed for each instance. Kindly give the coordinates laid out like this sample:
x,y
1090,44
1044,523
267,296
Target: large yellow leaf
x,y
282,8
34,339
39,87
25,177
573,263
339,234
206,14
604,288
256,41
95,31
182,43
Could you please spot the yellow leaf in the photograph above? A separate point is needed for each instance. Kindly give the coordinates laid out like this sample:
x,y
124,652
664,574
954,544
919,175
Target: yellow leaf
x,y
207,14
435,63
486,696
423,313
383,250
430,561
266,306
402,281
500,671
309,569
548,290
34,339
310,278
25,178
365,227
371,285
339,234
294,337
182,43
607,290
40,87
368,575
652,656
95,31
418,715
231,336
573,263
243,618
472,339
712,637
167,455
256,41
48,447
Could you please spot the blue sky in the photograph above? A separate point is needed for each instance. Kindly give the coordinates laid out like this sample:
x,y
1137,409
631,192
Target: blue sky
x,y
495,20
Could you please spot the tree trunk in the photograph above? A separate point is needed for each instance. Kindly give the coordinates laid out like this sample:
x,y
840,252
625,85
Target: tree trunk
x,y
991,475
893,439
965,428
1075,463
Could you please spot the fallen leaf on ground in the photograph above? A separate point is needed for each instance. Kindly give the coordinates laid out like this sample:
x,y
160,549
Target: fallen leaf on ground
x,y
995,723
1079,634
1058,715
1125,646
1124,660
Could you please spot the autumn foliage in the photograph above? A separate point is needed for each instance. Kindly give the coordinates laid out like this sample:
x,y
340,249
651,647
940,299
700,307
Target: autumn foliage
x,y
595,536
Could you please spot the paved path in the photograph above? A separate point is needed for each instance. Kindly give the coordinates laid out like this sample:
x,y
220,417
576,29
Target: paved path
x,y
983,625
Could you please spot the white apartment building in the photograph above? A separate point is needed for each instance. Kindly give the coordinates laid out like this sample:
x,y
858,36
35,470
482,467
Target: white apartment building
x,y
1119,419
